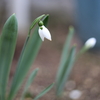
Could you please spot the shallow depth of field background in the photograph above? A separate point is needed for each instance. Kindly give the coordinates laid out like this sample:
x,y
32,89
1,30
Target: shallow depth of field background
x,y
86,71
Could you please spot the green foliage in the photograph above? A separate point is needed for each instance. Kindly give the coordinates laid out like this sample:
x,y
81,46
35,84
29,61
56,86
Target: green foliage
x,y
66,69
43,92
29,52
29,81
7,47
66,64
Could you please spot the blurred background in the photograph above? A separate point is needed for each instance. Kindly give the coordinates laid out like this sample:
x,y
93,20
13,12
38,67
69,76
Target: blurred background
x,y
61,12
84,15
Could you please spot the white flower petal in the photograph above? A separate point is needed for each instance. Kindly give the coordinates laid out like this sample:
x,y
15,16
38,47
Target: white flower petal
x,y
90,42
41,34
46,33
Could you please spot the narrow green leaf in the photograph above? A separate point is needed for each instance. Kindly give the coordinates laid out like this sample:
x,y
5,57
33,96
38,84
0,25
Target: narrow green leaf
x,y
7,47
28,56
66,69
67,46
44,92
30,80
65,53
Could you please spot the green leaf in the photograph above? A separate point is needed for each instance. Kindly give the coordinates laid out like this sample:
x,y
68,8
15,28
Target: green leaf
x,y
7,47
66,69
26,59
30,80
67,46
44,92
65,53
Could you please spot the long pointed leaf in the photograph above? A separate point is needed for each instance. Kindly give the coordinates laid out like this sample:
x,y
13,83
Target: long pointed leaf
x,y
65,53
44,92
66,69
30,80
66,48
24,64
7,47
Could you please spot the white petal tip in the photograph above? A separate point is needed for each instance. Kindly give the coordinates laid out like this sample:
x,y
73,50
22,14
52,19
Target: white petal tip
x,y
90,42
50,39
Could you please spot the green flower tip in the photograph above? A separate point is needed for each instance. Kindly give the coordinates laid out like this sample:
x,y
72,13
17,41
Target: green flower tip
x,y
71,28
40,23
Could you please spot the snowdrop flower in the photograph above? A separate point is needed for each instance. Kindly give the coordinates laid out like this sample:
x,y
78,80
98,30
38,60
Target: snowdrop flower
x,y
44,32
90,43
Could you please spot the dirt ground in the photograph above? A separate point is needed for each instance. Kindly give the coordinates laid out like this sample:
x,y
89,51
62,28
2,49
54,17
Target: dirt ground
x,y
84,76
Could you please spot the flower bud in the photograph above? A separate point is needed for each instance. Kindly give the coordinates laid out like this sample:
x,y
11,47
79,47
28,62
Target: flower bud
x,y
90,43
40,23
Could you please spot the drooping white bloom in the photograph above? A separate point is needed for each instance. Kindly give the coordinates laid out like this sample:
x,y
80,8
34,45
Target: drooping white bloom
x,y
44,33
90,43
75,94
